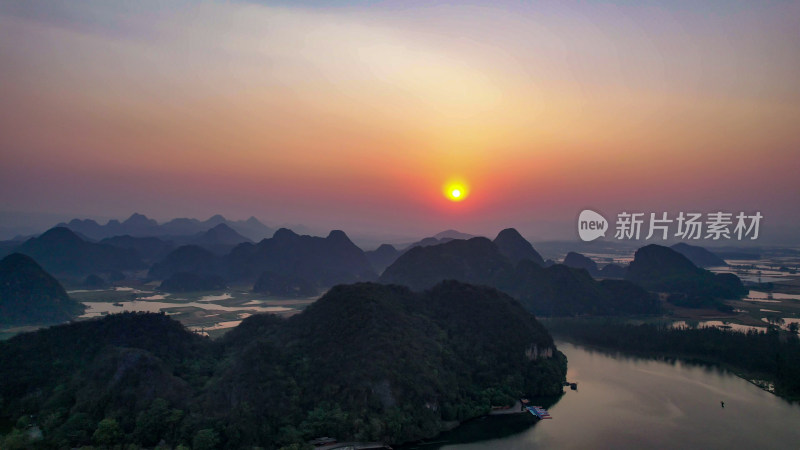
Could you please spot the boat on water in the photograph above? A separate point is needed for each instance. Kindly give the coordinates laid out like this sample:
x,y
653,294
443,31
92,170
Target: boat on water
x,y
539,412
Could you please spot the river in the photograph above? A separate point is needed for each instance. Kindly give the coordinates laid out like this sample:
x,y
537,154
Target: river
x,y
625,402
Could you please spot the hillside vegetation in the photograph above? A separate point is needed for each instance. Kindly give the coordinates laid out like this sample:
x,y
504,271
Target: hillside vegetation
x,y
364,362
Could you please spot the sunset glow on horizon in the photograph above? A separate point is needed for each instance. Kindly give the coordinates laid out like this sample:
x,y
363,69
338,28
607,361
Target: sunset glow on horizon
x,y
358,116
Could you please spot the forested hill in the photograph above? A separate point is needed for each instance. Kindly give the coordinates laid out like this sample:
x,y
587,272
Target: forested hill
x,y
365,362
29,295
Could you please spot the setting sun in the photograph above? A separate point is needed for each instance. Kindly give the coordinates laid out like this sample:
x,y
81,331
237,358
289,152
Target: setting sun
x,y
455,190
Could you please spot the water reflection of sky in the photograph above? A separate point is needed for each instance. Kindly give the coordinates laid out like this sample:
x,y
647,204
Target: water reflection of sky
x,y
626,402
717,324
99,308
776,296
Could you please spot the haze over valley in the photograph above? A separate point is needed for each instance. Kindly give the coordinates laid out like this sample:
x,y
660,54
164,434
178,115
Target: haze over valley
x,y
424,225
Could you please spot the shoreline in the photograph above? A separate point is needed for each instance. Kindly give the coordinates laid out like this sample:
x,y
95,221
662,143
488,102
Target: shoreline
x,y
692,360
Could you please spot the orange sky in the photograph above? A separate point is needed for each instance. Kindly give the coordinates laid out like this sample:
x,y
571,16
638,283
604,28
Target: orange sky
x,y
353,117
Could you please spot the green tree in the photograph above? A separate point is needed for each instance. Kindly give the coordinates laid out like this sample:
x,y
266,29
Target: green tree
x,y
156,423
205,439
77,430
16,440
108,432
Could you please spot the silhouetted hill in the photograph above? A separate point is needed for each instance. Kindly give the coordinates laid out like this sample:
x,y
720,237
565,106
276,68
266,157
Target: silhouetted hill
x,y
653,263
138,225
321,261
252,229
29,295
86,227
556,290
559,290
382,257
192,282
613,271
699,256
578,261
475,261
438,238
375,350
426,242
215,220
135,225
452,234
278,285
63,253
662,269
93,282
222,234
150,249
220,240
364,362
516,248
182,227
187,259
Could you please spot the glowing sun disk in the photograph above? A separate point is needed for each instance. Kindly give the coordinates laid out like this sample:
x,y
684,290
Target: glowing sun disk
x,y
455,191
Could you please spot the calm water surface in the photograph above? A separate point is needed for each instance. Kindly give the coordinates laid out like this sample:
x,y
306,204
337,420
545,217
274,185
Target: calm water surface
x,y
624,402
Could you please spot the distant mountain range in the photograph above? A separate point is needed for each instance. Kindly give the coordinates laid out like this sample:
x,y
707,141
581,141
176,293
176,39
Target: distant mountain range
x,y
187,259
382,257
554,291
321,261
509,241
219,240
65,254
677,271
510,263
386,254
289,264
313,263
149,249
139,225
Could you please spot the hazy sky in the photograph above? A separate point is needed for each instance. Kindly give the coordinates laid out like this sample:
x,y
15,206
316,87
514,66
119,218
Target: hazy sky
x,y
354,115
